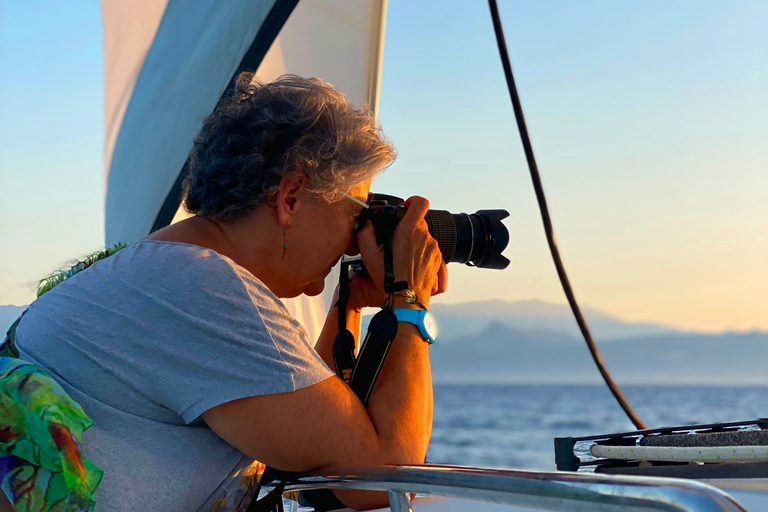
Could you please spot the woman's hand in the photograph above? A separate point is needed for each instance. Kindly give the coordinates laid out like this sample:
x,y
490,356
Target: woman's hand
x,y
417,258
363,293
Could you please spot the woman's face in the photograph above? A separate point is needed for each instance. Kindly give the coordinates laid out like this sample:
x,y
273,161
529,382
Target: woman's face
x,y
319,234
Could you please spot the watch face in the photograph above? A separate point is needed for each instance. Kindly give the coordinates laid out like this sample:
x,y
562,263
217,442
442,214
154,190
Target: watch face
x,y
430,325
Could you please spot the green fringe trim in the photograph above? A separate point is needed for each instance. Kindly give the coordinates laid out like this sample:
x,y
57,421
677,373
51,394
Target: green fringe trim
x,y
62,275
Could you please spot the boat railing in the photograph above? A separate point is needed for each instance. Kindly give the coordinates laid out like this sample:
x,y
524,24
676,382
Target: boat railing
x,y
553,491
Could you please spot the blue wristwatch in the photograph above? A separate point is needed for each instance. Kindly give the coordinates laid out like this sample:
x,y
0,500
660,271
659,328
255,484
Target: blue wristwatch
x,y
422,319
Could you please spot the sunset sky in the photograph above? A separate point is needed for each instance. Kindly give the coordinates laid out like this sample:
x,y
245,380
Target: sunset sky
x,y
649,121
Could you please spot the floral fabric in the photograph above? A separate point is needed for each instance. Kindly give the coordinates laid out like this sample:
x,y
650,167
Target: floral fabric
x,y
41,467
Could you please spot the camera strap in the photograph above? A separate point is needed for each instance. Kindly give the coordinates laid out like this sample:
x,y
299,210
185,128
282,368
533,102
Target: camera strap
x,y
384,224
390,286
344,344
381,331
360,373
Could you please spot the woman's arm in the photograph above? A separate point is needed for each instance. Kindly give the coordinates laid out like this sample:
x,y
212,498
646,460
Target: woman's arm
x,y
324,427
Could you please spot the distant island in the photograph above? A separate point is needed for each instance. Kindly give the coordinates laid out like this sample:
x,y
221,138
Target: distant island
x,y
502,354
539,342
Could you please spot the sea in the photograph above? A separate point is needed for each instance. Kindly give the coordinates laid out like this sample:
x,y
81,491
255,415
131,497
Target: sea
x,y
513,426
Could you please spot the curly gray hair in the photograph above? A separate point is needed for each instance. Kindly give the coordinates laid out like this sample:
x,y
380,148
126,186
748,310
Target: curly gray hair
x,y
287,128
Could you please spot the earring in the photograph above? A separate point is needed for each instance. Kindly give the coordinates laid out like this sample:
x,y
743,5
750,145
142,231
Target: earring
x,y
285,244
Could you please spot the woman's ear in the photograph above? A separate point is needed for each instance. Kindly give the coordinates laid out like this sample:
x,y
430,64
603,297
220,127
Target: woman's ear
x,y
289,195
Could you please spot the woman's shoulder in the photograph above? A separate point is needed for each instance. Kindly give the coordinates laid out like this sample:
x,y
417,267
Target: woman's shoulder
x,y
162,287
178,261
195,271
182,267
160,274
157,252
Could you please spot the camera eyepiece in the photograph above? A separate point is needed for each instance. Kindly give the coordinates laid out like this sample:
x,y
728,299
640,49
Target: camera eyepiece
x,y
476,239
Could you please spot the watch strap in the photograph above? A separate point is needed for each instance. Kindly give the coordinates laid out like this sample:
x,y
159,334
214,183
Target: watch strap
x,y
415,317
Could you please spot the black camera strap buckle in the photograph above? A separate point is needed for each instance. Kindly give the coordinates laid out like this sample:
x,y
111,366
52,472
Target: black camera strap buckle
x,y
344,344
344,355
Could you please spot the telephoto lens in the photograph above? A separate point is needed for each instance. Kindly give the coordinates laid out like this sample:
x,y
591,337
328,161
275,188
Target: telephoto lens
x,y
475,239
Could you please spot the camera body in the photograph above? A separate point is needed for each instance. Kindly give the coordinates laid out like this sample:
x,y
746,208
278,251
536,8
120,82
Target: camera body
x,y
476,239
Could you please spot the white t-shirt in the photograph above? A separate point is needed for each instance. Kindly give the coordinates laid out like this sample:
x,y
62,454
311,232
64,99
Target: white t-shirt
x,y
147,340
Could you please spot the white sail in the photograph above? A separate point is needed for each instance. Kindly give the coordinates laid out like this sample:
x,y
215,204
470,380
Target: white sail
x,y
167,63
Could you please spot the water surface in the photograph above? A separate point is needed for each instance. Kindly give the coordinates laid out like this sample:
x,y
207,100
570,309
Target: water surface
x,y
513,426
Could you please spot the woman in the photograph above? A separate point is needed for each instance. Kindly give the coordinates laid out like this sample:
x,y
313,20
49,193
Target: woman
x,y
179,348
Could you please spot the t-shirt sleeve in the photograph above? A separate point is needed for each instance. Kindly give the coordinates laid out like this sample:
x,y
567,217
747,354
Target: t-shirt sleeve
x,y
229,338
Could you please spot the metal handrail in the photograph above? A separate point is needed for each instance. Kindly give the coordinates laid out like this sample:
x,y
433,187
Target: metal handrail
x,y
554,491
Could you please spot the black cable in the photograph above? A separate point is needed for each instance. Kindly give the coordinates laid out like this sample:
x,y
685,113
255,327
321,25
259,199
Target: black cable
x,y
548,223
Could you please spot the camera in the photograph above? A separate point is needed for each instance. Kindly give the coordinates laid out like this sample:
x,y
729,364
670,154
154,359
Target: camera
x,y
475,239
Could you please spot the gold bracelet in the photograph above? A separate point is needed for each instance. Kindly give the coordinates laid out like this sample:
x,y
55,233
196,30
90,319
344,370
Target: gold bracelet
x,y
410,298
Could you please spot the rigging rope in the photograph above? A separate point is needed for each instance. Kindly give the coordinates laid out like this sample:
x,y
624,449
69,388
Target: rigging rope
x,y
548,223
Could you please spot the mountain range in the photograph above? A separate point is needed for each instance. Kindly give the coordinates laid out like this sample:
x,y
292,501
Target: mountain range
x,y
457,321
536,341
539,342
502,354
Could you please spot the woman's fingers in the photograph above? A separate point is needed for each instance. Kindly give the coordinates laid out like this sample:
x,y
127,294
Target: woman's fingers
x,y
417,257
371,253
366,242
364,292
417,209
442,278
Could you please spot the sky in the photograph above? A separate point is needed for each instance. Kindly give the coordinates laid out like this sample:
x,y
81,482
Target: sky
x,y
649,121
